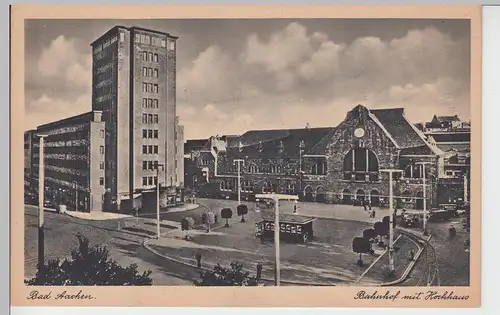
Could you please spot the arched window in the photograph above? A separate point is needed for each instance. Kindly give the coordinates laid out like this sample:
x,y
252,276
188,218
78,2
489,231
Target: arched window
x,y
290,189
266,188
407,198
222,185
361,164
319,168
252,168
413,171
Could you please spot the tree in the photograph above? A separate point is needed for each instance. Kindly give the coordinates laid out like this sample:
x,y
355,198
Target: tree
x,y
227,214
386,221
381,229
208,218
242,210
369,234
89,266
220,276
361,246
187,224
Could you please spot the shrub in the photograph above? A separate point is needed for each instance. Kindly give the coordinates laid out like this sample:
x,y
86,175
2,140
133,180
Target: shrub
x,y
242,210
187,224
220,276
208,218
227,214
89,266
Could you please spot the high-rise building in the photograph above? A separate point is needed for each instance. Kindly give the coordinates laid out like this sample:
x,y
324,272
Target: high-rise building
x,y
134,85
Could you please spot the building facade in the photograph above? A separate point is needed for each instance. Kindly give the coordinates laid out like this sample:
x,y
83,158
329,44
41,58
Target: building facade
x,y
28,145
74,161
133,84
344,164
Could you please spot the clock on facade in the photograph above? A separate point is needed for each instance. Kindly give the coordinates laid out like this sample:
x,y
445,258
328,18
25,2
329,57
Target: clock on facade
x,y
359,132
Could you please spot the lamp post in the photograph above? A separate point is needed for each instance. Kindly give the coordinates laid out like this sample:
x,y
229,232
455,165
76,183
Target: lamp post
x,y
424,195
276,198
75,185
301,150
239,162
391,219
41,204
158,199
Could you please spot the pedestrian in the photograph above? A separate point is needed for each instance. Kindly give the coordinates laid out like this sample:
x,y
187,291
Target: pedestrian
x,y
198,260
259,271
411,255
295,206
364,204
452,231
369,204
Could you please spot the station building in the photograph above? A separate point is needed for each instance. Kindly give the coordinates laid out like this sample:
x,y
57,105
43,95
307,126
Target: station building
x,y
342,164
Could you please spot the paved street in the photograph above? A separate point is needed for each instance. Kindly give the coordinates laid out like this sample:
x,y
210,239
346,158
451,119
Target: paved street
x,y
126,247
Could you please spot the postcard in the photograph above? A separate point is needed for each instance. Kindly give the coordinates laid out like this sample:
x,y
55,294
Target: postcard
x,y
255,156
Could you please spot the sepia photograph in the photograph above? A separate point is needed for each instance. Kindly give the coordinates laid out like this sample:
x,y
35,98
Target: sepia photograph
x,y
208,152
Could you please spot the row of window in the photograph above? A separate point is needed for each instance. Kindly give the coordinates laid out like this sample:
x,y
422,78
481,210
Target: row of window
x,y
150,103
150,72
149,57
149,118
149,149
154,41
149,180
149,165
248,186
150,133
149,87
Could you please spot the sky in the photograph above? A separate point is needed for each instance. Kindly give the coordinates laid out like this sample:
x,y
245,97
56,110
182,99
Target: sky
x,y
238,75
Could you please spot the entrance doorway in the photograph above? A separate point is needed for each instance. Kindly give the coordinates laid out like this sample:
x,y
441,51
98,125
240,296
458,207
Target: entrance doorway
x,y
375,198
420,200
320,194
346,197
308,194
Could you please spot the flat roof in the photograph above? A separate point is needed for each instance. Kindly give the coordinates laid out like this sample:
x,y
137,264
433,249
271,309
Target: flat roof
x,y
131,28
288,218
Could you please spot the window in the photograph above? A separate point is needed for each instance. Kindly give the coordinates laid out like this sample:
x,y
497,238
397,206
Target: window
x,y
144,181
150,180
150,165
171,45
156,88
413,171
148,40
144,87
122,37
101,165
144,56
150,72
144,149
361,164
150,87
155,74
155,134
150,103
319,168
145,71
155,103
150,134
155,119
252,168
150,118
144,102
150,149
144,133
155,180
144,118
144,165
101,132
101,149
101,181
156,58
155,149
150,56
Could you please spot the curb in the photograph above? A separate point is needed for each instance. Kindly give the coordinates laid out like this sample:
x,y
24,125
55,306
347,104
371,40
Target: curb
x,y
410,267
178,261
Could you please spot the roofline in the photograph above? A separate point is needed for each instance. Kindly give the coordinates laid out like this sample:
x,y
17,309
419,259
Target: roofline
x,y
434,149
375,119
131,28
67,119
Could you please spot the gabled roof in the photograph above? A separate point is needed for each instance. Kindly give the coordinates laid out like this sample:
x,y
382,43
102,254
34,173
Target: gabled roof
x,y
284,142
404,133
194,144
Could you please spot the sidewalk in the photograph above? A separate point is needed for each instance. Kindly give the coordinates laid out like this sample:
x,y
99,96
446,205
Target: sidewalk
x,y
101,216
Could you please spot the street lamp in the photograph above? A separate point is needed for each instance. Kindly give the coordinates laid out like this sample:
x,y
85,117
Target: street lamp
x,y
41,204
158,198
424,195
391,219
276,198
301,151
75,185
239,162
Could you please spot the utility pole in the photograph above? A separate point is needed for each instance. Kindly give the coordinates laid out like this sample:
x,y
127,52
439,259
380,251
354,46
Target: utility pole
x,y
391,219
276,198
424,195
301,150
76,195
41,204
158,200
239,162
